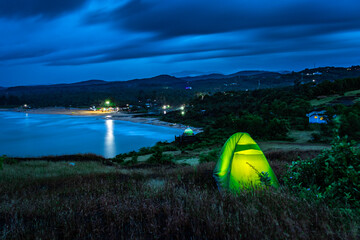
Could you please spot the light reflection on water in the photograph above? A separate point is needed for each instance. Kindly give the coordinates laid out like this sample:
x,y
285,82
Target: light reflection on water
x,y
26,120
109,139
25,135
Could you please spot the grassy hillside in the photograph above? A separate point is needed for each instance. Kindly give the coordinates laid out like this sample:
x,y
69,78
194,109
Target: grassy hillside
x,y
353,96
54,200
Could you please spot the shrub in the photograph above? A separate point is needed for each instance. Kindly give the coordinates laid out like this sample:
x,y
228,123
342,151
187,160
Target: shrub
x,y
190,147
212,156
4,159
2,162
144,151
134,159
10,161
169,148
332,176
160,146
316,137
120,158
350,124
251,123
159,157
278,128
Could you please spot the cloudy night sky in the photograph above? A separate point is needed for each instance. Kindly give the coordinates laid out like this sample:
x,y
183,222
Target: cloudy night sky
x,y
46,42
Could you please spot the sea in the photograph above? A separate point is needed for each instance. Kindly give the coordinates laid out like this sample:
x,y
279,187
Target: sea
x,y
35,135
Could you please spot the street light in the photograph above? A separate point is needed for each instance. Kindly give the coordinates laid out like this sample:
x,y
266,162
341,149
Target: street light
x,y
107,102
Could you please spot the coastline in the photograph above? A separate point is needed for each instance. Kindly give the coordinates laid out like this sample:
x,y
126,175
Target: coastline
x,y
106,115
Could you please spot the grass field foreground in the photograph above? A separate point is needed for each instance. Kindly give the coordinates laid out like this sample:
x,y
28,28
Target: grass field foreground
x,y
94,201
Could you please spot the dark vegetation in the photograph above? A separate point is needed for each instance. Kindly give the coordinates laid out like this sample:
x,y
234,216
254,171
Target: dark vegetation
x,y
2,159
156,151
167,202
271,113
211,156
332,176
85,157
346,119
159,157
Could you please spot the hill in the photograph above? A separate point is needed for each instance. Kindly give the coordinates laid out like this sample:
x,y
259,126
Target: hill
x,y
164,89
222,76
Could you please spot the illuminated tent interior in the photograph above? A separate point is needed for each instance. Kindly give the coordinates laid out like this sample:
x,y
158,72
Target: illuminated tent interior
x,y
240,162
188,132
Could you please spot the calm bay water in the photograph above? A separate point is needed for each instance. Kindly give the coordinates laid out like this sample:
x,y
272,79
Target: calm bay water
x,y
25,135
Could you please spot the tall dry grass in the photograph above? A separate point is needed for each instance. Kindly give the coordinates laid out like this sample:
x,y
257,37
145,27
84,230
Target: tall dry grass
x,y
183,204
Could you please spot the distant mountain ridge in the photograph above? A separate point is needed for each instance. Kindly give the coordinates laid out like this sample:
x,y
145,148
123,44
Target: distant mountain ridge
x,y
89,82
167,86
223,76
168,79
242,80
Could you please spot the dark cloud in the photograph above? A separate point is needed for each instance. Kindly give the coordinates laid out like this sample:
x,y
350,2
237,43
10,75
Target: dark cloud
x,y
138,49
249,43
247,27
226,45
44,8
184,34
25,53
179,18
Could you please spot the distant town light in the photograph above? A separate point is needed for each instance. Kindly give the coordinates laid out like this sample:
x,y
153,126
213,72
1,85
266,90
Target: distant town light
x,y
25,105
164,112
182,107
107,102
164,107
183,113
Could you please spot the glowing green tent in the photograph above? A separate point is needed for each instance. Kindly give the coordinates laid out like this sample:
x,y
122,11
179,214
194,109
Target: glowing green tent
x,y
188,132
240,163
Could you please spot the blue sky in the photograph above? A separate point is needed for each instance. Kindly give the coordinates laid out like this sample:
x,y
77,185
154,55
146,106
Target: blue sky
x,y
46,42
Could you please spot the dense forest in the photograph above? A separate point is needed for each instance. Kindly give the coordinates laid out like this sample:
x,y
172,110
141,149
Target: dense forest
x,y
271,113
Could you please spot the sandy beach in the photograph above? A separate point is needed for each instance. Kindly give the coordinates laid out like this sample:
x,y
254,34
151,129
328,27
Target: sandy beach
x,y
61,110
113,115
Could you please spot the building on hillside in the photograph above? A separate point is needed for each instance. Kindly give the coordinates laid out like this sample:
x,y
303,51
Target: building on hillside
x,y
317,117
317,73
